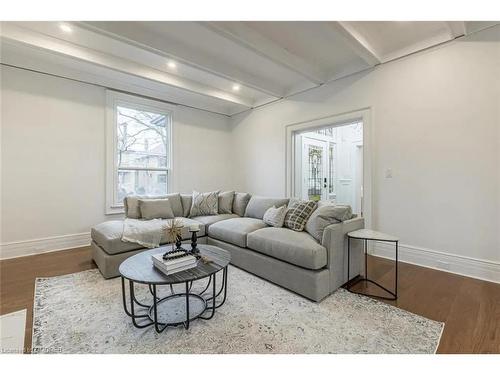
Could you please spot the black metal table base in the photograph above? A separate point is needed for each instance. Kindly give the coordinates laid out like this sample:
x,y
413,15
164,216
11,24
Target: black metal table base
x,y
349,284
150,312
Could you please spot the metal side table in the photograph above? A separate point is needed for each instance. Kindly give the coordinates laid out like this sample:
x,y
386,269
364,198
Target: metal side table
x,y
371,235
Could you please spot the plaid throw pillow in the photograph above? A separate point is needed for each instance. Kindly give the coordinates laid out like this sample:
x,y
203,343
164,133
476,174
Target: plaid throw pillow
x,y
298,213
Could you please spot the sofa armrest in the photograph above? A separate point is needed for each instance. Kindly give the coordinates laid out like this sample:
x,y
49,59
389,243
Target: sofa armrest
x,y
335,241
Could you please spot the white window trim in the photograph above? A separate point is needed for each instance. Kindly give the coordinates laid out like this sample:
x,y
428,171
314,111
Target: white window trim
x,y
363,114
113,99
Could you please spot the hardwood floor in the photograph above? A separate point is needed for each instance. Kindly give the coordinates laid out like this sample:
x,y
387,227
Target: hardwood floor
x,y
17,279
470,308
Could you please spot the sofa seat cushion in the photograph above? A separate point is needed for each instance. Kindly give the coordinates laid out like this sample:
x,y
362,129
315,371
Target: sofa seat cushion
x,y
235,230
108,235
211,219
298,248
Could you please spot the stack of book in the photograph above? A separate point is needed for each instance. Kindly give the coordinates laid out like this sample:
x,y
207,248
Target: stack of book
x,y
173,263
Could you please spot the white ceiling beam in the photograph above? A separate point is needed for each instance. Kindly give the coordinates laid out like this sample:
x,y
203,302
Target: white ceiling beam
x,y
356,42
175,50
23,36
254,41
457,28
42,61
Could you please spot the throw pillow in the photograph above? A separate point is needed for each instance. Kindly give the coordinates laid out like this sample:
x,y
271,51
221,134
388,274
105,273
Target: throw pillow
x,y
298,213
226,202
326,214
275,217
205,204
156,209
131,205
240,203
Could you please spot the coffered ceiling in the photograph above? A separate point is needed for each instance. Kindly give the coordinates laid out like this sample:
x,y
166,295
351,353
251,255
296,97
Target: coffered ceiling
x,y
223,67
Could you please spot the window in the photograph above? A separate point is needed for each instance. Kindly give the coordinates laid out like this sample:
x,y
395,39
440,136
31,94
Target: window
x,y
138,148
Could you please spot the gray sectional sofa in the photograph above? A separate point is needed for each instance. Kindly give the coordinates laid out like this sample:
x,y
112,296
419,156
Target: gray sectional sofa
x,y
294,260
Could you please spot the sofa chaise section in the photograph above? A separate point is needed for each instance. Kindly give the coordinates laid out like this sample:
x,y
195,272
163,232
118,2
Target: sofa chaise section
x,y
109,250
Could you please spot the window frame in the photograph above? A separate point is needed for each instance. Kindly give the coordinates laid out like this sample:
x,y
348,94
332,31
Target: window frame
x,y
113,100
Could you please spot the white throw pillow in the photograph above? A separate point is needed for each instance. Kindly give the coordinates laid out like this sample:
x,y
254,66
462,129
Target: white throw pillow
x,y
274,216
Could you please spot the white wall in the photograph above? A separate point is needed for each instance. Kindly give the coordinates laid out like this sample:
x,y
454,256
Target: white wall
x,y
53,157
435,119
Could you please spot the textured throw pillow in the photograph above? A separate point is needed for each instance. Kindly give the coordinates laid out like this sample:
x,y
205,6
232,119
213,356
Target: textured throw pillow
x,y
298,213
275,217
226,202
240,203
156,209
326,214
205,204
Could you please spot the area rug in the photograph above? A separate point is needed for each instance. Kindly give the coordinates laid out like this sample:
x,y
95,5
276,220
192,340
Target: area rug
x,y
83,313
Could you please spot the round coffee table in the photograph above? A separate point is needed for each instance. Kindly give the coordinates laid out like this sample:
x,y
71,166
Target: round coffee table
x,y
175,308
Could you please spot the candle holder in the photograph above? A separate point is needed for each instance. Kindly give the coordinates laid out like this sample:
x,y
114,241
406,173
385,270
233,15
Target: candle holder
x,y
194,241
178,243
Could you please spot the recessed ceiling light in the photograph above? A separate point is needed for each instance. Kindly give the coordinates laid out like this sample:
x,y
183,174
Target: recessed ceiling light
x,y
172,64
236,87
65,27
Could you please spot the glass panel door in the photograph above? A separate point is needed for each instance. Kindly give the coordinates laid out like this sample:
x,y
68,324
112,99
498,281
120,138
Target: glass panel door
x,y
314,170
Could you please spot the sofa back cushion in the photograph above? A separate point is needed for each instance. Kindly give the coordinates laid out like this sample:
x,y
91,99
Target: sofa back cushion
x,y
226,199
156,209
298,213
326,214
240,203
257,206
204,204
187,201
175,202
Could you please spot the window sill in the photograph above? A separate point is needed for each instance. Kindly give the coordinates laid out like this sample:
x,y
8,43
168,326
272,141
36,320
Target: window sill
x,y
115,210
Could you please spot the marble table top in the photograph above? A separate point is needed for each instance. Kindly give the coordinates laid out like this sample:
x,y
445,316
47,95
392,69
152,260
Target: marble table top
x,y
368,234
139,268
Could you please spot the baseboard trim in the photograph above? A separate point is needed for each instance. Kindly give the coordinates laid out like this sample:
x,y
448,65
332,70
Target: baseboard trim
x,y
43,245
457,264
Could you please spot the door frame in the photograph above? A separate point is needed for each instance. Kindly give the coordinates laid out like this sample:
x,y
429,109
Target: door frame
x,y
364,115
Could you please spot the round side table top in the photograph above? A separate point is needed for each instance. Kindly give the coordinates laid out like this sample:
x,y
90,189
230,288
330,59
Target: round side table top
x,y
139,268
368,234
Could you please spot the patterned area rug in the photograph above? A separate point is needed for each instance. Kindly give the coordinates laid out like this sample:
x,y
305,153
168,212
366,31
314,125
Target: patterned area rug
x,y
83,313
